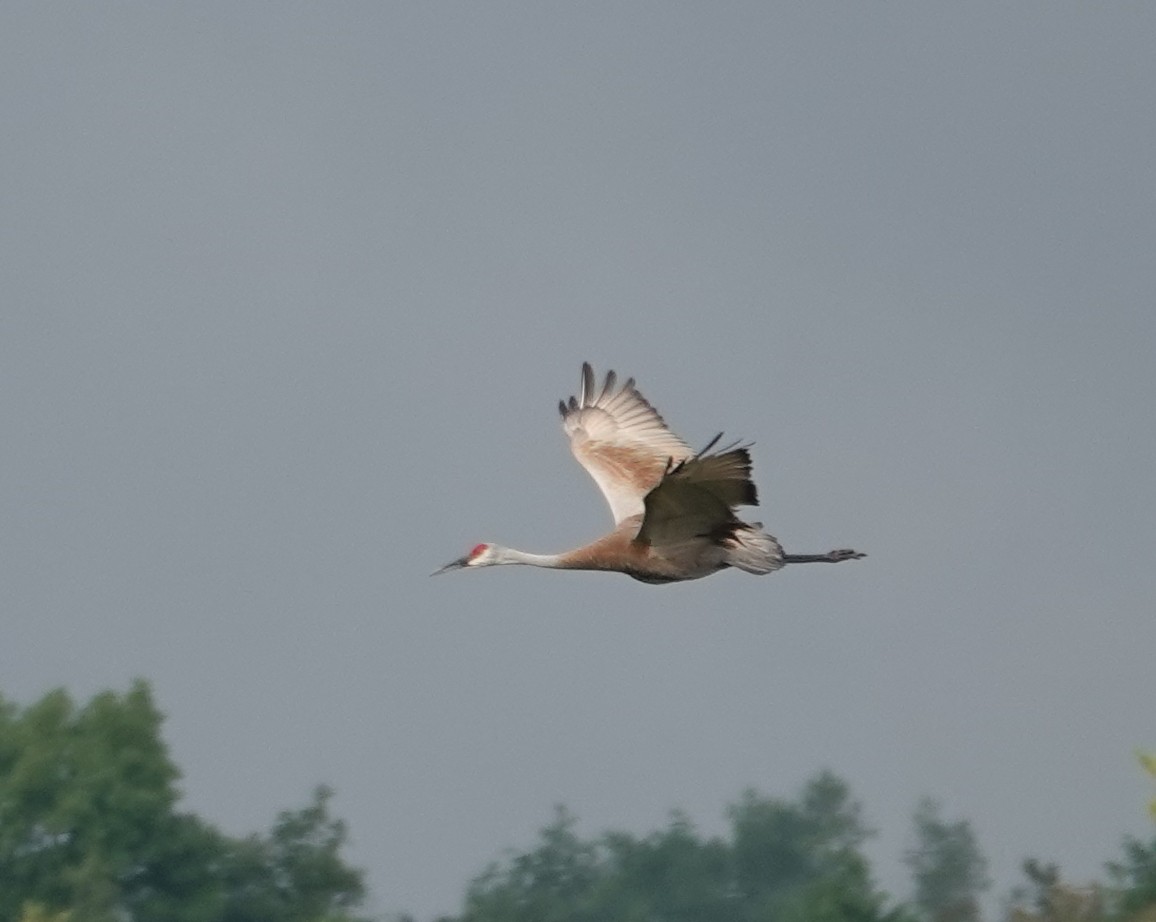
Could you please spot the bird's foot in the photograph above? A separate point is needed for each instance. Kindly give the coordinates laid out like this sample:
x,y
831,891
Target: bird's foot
x,y
844,553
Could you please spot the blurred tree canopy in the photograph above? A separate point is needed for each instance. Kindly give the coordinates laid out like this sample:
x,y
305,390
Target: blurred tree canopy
x,y
784,861
947,867
89,830
1148,763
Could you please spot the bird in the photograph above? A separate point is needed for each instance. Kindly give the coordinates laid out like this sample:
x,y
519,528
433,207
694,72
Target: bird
x,y
673,508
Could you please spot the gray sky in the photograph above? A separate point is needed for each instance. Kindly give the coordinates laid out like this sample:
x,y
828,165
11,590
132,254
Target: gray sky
x,y
290,293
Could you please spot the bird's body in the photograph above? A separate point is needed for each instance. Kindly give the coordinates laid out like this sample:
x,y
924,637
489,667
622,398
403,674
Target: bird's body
x,y
674,509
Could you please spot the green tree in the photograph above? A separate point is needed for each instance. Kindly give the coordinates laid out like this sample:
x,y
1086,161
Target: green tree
x,y
947,867
84,794
1134,877
35,912
89,829
801,861
553,883
1047,898
296,873
670,875
784,862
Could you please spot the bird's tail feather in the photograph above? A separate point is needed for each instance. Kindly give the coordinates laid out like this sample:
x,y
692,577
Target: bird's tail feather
x,y
752,549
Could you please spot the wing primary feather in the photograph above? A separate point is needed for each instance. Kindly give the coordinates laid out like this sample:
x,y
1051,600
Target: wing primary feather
x,y
709,445
587,385
737,443
608,387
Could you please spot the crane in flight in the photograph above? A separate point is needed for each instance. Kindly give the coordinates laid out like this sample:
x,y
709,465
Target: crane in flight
x,y
674,509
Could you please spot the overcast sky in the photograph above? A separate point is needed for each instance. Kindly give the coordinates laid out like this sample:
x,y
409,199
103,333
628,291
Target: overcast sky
x,y
291,291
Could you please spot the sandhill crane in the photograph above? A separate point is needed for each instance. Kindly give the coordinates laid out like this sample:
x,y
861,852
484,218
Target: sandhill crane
x,y
674,509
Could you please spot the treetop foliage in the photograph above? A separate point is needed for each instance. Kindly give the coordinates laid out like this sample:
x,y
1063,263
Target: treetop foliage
x,y
783,861
947,867
90,831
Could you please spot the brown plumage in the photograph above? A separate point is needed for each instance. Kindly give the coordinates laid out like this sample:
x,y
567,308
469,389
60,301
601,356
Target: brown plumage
x,y
674,510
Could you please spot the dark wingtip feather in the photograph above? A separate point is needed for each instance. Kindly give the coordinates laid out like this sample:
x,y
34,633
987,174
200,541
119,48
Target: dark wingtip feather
x,y
709,445
608,387
587,392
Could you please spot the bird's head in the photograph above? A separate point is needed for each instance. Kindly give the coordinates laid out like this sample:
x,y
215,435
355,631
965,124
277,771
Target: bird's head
x,y
483,555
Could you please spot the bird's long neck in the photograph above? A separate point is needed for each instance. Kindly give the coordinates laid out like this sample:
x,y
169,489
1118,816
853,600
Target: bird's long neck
x,y
512,555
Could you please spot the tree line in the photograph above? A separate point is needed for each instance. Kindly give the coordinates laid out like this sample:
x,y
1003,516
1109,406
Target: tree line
x,y
91,831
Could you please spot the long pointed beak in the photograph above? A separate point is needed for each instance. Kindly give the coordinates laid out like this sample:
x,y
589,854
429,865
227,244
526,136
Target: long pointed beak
x,y
452,565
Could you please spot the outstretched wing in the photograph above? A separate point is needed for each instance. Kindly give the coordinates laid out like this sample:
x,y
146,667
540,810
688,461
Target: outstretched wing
x,y
695,500
621,440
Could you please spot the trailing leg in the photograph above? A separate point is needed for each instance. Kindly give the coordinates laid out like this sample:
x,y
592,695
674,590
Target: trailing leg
x,y
830,557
